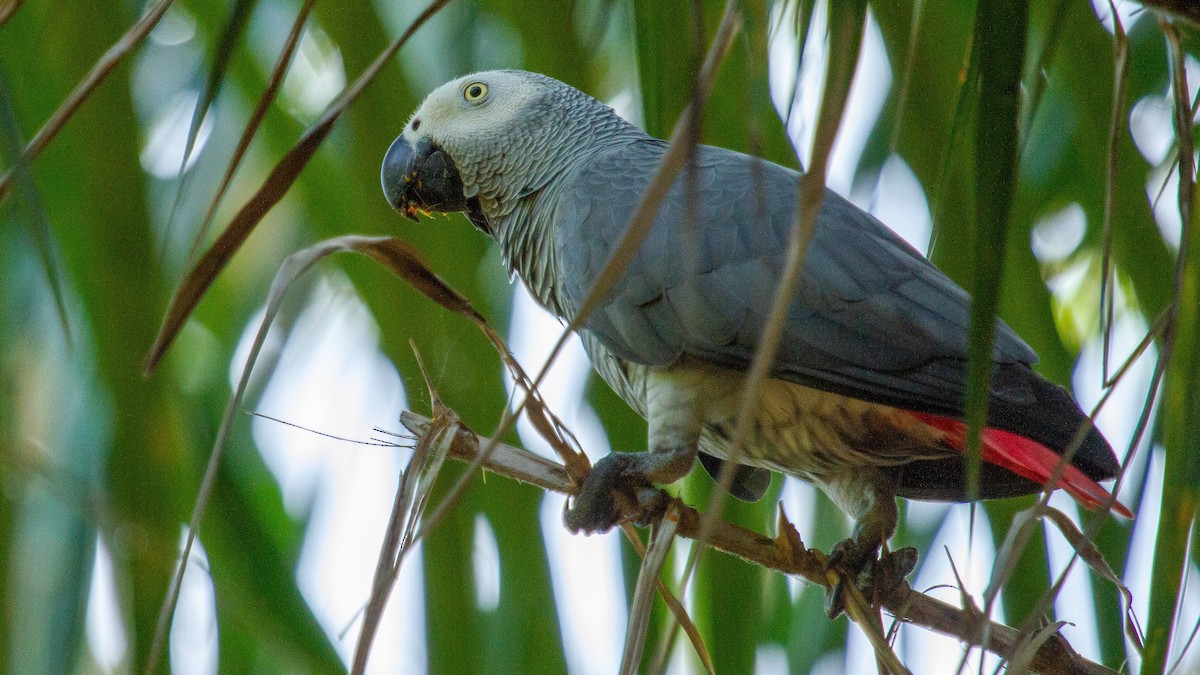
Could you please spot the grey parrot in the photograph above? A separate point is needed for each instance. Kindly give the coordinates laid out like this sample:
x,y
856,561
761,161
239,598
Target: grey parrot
x,y
867,391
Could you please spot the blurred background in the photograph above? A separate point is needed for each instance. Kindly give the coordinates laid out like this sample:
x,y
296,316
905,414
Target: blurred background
x,y
100,467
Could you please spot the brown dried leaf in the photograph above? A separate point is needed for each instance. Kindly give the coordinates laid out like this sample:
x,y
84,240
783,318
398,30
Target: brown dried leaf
x,y
402,259
648,581
673,604
412,496
1091,555
255,120
291,269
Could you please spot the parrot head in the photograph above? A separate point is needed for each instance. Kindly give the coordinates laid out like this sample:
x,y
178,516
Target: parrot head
x,y
480,143
468,119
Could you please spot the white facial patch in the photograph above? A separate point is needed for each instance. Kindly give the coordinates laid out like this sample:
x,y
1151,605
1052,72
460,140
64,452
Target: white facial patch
x,y
449,119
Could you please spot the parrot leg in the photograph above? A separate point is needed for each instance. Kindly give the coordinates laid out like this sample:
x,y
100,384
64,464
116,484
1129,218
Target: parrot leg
x,y
623,482
869,498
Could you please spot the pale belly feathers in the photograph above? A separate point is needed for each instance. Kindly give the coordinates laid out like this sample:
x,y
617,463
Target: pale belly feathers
x,y
801,431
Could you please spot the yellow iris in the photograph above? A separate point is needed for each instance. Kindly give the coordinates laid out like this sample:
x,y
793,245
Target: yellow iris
x,y
475,92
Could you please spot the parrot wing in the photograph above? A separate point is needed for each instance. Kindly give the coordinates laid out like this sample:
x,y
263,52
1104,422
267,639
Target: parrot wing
x,y
870,318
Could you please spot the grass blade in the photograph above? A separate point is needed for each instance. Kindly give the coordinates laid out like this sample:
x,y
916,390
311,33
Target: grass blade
x,y
1000,29
30,205
1181,395
253,547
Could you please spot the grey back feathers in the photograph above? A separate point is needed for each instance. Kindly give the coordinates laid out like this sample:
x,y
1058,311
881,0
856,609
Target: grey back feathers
x,y
870,316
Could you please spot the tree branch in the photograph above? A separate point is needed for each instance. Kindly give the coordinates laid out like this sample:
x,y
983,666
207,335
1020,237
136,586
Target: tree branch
x,y
787,554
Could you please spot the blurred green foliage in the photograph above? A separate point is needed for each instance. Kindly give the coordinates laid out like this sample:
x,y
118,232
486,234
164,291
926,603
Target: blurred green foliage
x,y
91,450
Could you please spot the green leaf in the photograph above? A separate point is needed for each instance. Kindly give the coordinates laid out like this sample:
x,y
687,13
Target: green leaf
x,y
29,203
253,548
1181,400
1000,40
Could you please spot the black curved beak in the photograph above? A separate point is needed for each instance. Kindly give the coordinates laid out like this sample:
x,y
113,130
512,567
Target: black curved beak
x,y
421,178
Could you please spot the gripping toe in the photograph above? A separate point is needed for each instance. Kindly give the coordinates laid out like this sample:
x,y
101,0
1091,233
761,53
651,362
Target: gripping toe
x,y
594,509
615,488
855,561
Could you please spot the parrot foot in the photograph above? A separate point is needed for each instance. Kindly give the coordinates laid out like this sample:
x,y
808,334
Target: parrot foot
x,y
615,488
853,560
871,574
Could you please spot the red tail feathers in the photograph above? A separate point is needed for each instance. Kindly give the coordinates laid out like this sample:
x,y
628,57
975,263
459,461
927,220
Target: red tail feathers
x,y
1026,458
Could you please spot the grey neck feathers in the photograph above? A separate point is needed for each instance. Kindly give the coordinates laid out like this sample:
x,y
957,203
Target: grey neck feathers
x,y
526,238
522,214
563,127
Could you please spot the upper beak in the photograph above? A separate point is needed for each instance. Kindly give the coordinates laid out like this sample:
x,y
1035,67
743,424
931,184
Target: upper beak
x,y
421,178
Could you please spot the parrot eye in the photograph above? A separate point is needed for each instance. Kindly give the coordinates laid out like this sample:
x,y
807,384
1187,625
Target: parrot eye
x,y
475,92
